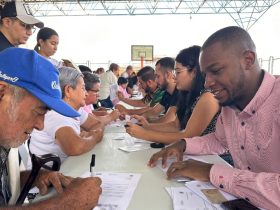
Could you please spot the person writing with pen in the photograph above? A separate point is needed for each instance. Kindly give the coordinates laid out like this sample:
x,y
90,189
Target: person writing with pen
x,y
248,124
28,89
62,135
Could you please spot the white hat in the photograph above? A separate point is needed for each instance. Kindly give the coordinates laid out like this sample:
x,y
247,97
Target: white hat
x,y
21,11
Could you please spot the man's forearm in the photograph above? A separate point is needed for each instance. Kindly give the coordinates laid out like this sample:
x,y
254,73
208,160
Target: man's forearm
x,y
50,204
167,127
168,117
100,113
98,125
136,103
137,111
54,203
105,119
163,137
261,189
157,120
154,112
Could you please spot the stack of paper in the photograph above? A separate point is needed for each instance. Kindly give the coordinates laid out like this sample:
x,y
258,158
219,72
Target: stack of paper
x,y
135,147
133,144
114,127
117,126
185,199
170,160
198,195
209,193
117,189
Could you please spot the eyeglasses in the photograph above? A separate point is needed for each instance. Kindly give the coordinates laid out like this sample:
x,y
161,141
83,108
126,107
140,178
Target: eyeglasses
x,y
177,71
26,26
94,91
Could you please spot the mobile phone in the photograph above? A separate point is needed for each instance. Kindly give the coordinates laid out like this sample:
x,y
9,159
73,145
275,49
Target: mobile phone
x,y
157,145
238,204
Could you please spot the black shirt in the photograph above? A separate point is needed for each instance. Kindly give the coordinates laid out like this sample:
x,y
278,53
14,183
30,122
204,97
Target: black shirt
x,y
4,42
132,81
169,100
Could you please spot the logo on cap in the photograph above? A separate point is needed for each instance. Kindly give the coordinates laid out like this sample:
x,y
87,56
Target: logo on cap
x,y
6,77
55,85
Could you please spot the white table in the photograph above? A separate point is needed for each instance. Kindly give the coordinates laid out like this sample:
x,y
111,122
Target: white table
x,y
150,193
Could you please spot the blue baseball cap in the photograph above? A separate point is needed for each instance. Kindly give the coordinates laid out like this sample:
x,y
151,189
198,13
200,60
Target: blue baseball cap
x,y
32,72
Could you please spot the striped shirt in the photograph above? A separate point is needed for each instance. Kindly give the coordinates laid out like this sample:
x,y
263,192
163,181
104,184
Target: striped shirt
x,y
253,139
5,192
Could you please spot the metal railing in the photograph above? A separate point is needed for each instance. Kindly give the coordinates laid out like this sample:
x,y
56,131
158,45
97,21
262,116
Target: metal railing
x,y
272,65
94,65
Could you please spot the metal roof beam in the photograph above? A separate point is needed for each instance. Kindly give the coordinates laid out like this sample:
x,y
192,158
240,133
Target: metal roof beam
x,y
244,12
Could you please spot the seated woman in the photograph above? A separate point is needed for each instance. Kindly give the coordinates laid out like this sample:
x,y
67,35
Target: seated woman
x,y
197,108
123,82
61,135
132,87
92,85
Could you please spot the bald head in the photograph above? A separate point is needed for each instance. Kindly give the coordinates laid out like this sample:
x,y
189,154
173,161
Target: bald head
x,y
232,37
228,60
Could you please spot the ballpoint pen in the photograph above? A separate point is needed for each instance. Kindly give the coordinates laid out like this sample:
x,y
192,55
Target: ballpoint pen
x,y
92,164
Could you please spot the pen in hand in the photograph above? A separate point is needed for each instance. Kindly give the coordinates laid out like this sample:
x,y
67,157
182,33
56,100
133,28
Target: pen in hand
x,y
92,165
126,125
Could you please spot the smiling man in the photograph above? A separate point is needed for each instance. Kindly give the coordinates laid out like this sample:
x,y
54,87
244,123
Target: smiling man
x,y
16,24
248,126
28,88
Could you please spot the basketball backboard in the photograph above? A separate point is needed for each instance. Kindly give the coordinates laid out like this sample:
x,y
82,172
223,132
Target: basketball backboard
x,y
145,51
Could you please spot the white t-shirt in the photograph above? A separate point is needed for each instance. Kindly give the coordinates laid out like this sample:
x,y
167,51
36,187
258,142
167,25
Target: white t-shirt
x,y
43,142
56,63
106,80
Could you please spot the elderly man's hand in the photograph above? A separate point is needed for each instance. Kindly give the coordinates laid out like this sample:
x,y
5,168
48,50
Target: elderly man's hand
x,y
190,169
46,178
80,194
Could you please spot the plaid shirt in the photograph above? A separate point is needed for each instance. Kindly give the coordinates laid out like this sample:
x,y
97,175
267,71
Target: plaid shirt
x,y
5,192
153,98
